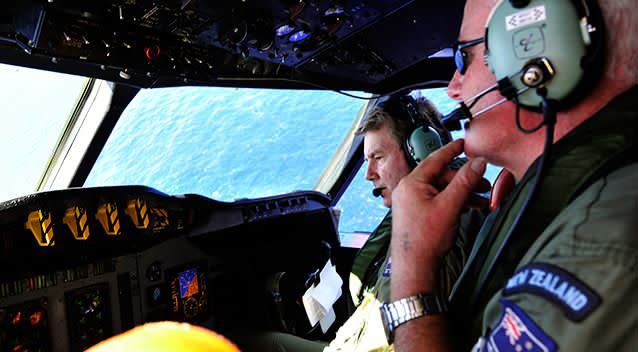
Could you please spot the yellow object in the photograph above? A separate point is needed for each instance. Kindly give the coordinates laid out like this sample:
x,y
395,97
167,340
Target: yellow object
x,y
166,336
41,226
161,218
363,331
77,221
139,213
108,217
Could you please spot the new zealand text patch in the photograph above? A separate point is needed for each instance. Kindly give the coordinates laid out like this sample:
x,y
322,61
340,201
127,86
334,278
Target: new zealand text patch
x,y
571,295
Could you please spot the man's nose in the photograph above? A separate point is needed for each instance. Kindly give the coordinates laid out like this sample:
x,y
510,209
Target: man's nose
x,y
454,87
370,172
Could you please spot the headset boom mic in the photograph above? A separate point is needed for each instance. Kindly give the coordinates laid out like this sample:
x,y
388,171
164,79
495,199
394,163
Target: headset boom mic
x,y
452,121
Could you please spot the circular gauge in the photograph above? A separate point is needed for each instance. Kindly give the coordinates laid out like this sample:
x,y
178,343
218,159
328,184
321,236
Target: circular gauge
x,y
191,307
154,271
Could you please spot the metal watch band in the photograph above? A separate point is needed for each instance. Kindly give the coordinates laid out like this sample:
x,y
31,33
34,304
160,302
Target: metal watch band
x,y
409,308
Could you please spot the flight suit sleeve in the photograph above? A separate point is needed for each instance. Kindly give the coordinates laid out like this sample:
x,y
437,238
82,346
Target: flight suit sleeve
x,y
547,318
577,288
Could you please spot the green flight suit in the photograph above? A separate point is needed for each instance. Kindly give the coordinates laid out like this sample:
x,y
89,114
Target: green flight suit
x,y
568,279
370,284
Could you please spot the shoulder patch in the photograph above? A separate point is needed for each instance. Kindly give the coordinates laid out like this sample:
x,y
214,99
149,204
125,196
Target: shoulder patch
x,y
517,332
560,287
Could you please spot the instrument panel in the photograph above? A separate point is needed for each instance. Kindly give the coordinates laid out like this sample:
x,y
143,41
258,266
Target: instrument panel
x,y
72,277
186,42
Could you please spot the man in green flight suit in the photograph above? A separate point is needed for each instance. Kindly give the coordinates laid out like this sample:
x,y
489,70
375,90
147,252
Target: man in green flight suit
x,y
565,277
385,129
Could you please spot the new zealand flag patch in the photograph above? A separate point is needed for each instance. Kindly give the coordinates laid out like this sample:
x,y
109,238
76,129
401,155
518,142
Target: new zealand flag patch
x,y
517,332
571,295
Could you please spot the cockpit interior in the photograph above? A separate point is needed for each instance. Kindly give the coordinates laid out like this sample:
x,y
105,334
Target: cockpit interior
x,y
80,264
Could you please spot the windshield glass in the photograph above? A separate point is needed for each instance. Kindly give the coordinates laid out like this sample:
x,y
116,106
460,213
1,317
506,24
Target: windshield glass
x,y
36,107
225,143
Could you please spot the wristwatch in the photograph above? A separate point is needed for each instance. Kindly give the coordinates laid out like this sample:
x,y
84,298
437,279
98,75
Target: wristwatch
x,y
398,312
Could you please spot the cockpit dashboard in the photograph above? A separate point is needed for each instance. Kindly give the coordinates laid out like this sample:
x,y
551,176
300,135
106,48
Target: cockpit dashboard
x,y
81,265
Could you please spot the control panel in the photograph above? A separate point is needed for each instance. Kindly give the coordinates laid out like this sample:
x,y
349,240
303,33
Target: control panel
x,y
81,265
176,42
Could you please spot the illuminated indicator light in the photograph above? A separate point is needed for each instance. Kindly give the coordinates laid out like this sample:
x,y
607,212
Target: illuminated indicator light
x,y
152,52
16,319
299,36
36,317
160,217
108,216
139,213
334,11
76,219
284,29
40,224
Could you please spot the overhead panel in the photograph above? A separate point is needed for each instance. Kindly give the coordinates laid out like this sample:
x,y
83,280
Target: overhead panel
x,y
334,43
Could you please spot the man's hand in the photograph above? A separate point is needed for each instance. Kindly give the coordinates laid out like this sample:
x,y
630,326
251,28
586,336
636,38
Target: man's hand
x,y
426,206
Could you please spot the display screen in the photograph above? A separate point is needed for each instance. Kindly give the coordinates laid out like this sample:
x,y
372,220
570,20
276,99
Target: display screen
x,y
188,283
89,316
189,297
25,327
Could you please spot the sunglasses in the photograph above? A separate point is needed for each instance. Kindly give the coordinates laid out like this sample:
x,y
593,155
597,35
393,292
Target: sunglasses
x,y
460,56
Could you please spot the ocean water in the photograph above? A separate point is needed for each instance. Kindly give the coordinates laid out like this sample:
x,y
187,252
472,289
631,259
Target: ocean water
x,y
228,143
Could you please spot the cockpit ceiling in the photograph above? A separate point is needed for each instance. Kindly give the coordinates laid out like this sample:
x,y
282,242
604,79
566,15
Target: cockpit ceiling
x,y
374,45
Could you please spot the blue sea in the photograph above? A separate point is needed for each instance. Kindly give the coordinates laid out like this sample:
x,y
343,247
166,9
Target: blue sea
x,y
229,143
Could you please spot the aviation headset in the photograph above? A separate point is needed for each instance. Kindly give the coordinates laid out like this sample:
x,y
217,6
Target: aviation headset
x,y
425,131
552,47
554,44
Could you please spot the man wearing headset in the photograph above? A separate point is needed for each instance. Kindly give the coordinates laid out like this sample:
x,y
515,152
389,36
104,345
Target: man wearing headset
x,y
386,130
565,278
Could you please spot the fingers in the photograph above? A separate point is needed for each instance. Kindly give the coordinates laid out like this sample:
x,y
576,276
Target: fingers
x,y
483,186
477,202
429,170
460,189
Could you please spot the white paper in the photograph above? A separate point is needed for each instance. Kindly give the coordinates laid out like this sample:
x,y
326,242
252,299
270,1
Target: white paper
x,y
327,321
313,309
318,299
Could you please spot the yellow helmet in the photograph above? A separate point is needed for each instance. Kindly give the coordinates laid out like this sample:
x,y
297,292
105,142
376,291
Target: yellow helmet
x,y
164,337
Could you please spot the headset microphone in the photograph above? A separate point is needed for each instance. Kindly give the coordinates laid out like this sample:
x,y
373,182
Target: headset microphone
x,y
452,121
545,54
377,191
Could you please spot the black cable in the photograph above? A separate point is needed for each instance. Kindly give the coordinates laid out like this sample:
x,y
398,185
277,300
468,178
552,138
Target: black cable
x,y
518,121
549,120
426,84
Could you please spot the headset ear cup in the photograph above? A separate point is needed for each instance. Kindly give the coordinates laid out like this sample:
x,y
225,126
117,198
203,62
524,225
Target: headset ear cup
x,y
421,143
547,31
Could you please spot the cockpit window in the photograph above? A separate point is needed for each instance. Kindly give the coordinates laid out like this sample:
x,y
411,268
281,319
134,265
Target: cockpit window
x,y
36,106
225,143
